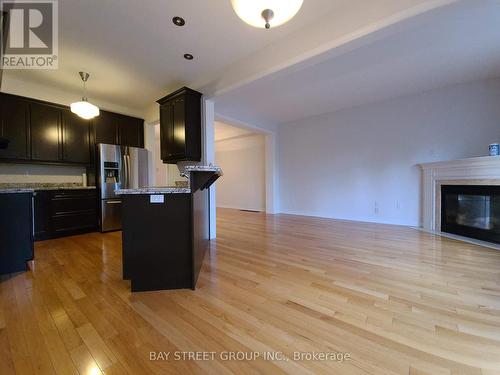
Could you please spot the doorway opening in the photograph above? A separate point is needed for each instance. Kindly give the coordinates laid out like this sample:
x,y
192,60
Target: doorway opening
x,y
241,153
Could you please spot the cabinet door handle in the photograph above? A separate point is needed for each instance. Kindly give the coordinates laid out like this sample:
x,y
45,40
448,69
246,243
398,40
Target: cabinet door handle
x,y
114,202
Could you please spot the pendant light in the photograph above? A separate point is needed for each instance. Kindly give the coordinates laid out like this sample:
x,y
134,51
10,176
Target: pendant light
x,y
84,109
266,13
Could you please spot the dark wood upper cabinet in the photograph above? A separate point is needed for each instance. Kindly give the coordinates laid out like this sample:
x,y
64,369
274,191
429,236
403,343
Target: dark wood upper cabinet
x,y
116,129
166,130
105,128
76,138
180,126
45,132
14,127
130,131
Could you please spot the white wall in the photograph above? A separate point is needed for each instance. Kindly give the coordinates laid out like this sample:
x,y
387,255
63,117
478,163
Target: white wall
x,y
150,145
243,185
163,174
160,169
361,163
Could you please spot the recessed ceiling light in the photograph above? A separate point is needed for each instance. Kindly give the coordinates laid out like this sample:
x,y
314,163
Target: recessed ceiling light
x,y
178,21
188,56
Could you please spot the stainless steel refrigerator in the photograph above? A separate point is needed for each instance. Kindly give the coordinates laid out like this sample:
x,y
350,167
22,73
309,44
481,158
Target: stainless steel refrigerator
x,y
120,167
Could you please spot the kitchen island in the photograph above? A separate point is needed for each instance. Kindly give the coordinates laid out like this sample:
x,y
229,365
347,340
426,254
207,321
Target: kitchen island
x,y
166,233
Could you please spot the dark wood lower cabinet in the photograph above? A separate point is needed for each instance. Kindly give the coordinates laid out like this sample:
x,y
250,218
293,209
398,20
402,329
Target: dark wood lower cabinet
x,y
60,213
42,215
16,231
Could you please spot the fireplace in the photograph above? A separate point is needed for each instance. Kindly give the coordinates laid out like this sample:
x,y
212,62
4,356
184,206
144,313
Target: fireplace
x,y
471,211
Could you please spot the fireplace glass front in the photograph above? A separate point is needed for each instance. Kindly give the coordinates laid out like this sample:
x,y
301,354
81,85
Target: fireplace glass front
x,y
471,211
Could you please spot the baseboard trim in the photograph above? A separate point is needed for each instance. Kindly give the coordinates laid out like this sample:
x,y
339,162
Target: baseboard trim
x,y
242,208
386,222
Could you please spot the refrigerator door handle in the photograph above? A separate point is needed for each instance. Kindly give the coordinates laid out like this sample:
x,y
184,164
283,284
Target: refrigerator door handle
x,y
129,173
125,172
113,202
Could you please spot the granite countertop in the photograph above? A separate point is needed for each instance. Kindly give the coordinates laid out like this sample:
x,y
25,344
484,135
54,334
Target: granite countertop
x,y
203,168
16,190
66,188
154,190
171,189
14,187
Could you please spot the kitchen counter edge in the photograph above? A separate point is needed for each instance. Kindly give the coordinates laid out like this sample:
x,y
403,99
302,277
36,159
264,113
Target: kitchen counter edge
x,y
153,191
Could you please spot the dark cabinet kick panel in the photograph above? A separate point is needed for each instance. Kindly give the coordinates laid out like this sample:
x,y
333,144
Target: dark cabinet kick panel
x,y
180,126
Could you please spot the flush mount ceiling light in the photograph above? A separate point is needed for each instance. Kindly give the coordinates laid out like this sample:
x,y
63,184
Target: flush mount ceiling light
x,y
266,13
84,109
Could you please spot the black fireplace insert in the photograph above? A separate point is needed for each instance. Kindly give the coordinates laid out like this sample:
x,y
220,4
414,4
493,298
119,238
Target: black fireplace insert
x,y
471,211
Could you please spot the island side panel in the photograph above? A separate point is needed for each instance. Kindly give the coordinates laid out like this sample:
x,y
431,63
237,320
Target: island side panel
x,y
157,242
201,231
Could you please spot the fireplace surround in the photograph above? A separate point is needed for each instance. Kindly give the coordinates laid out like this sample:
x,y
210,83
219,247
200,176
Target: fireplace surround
x,y
473,173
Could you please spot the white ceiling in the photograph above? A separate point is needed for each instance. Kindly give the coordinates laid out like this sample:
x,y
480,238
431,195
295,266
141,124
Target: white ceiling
x,y
134,52
453,44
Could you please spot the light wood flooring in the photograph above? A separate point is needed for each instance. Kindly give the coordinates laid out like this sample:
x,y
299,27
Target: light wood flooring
x,y
399,301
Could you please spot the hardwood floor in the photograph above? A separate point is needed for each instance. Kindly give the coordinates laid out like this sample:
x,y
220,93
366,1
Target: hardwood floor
x,y
397,300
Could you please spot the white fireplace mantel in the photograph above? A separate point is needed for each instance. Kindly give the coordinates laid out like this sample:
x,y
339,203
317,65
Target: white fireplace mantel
x,y
474,171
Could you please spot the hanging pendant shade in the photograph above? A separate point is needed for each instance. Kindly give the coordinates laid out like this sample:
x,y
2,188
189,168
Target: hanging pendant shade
x,y
84,108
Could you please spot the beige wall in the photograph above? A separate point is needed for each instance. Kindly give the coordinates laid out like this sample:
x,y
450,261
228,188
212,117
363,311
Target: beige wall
x,y
28,173
243,185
